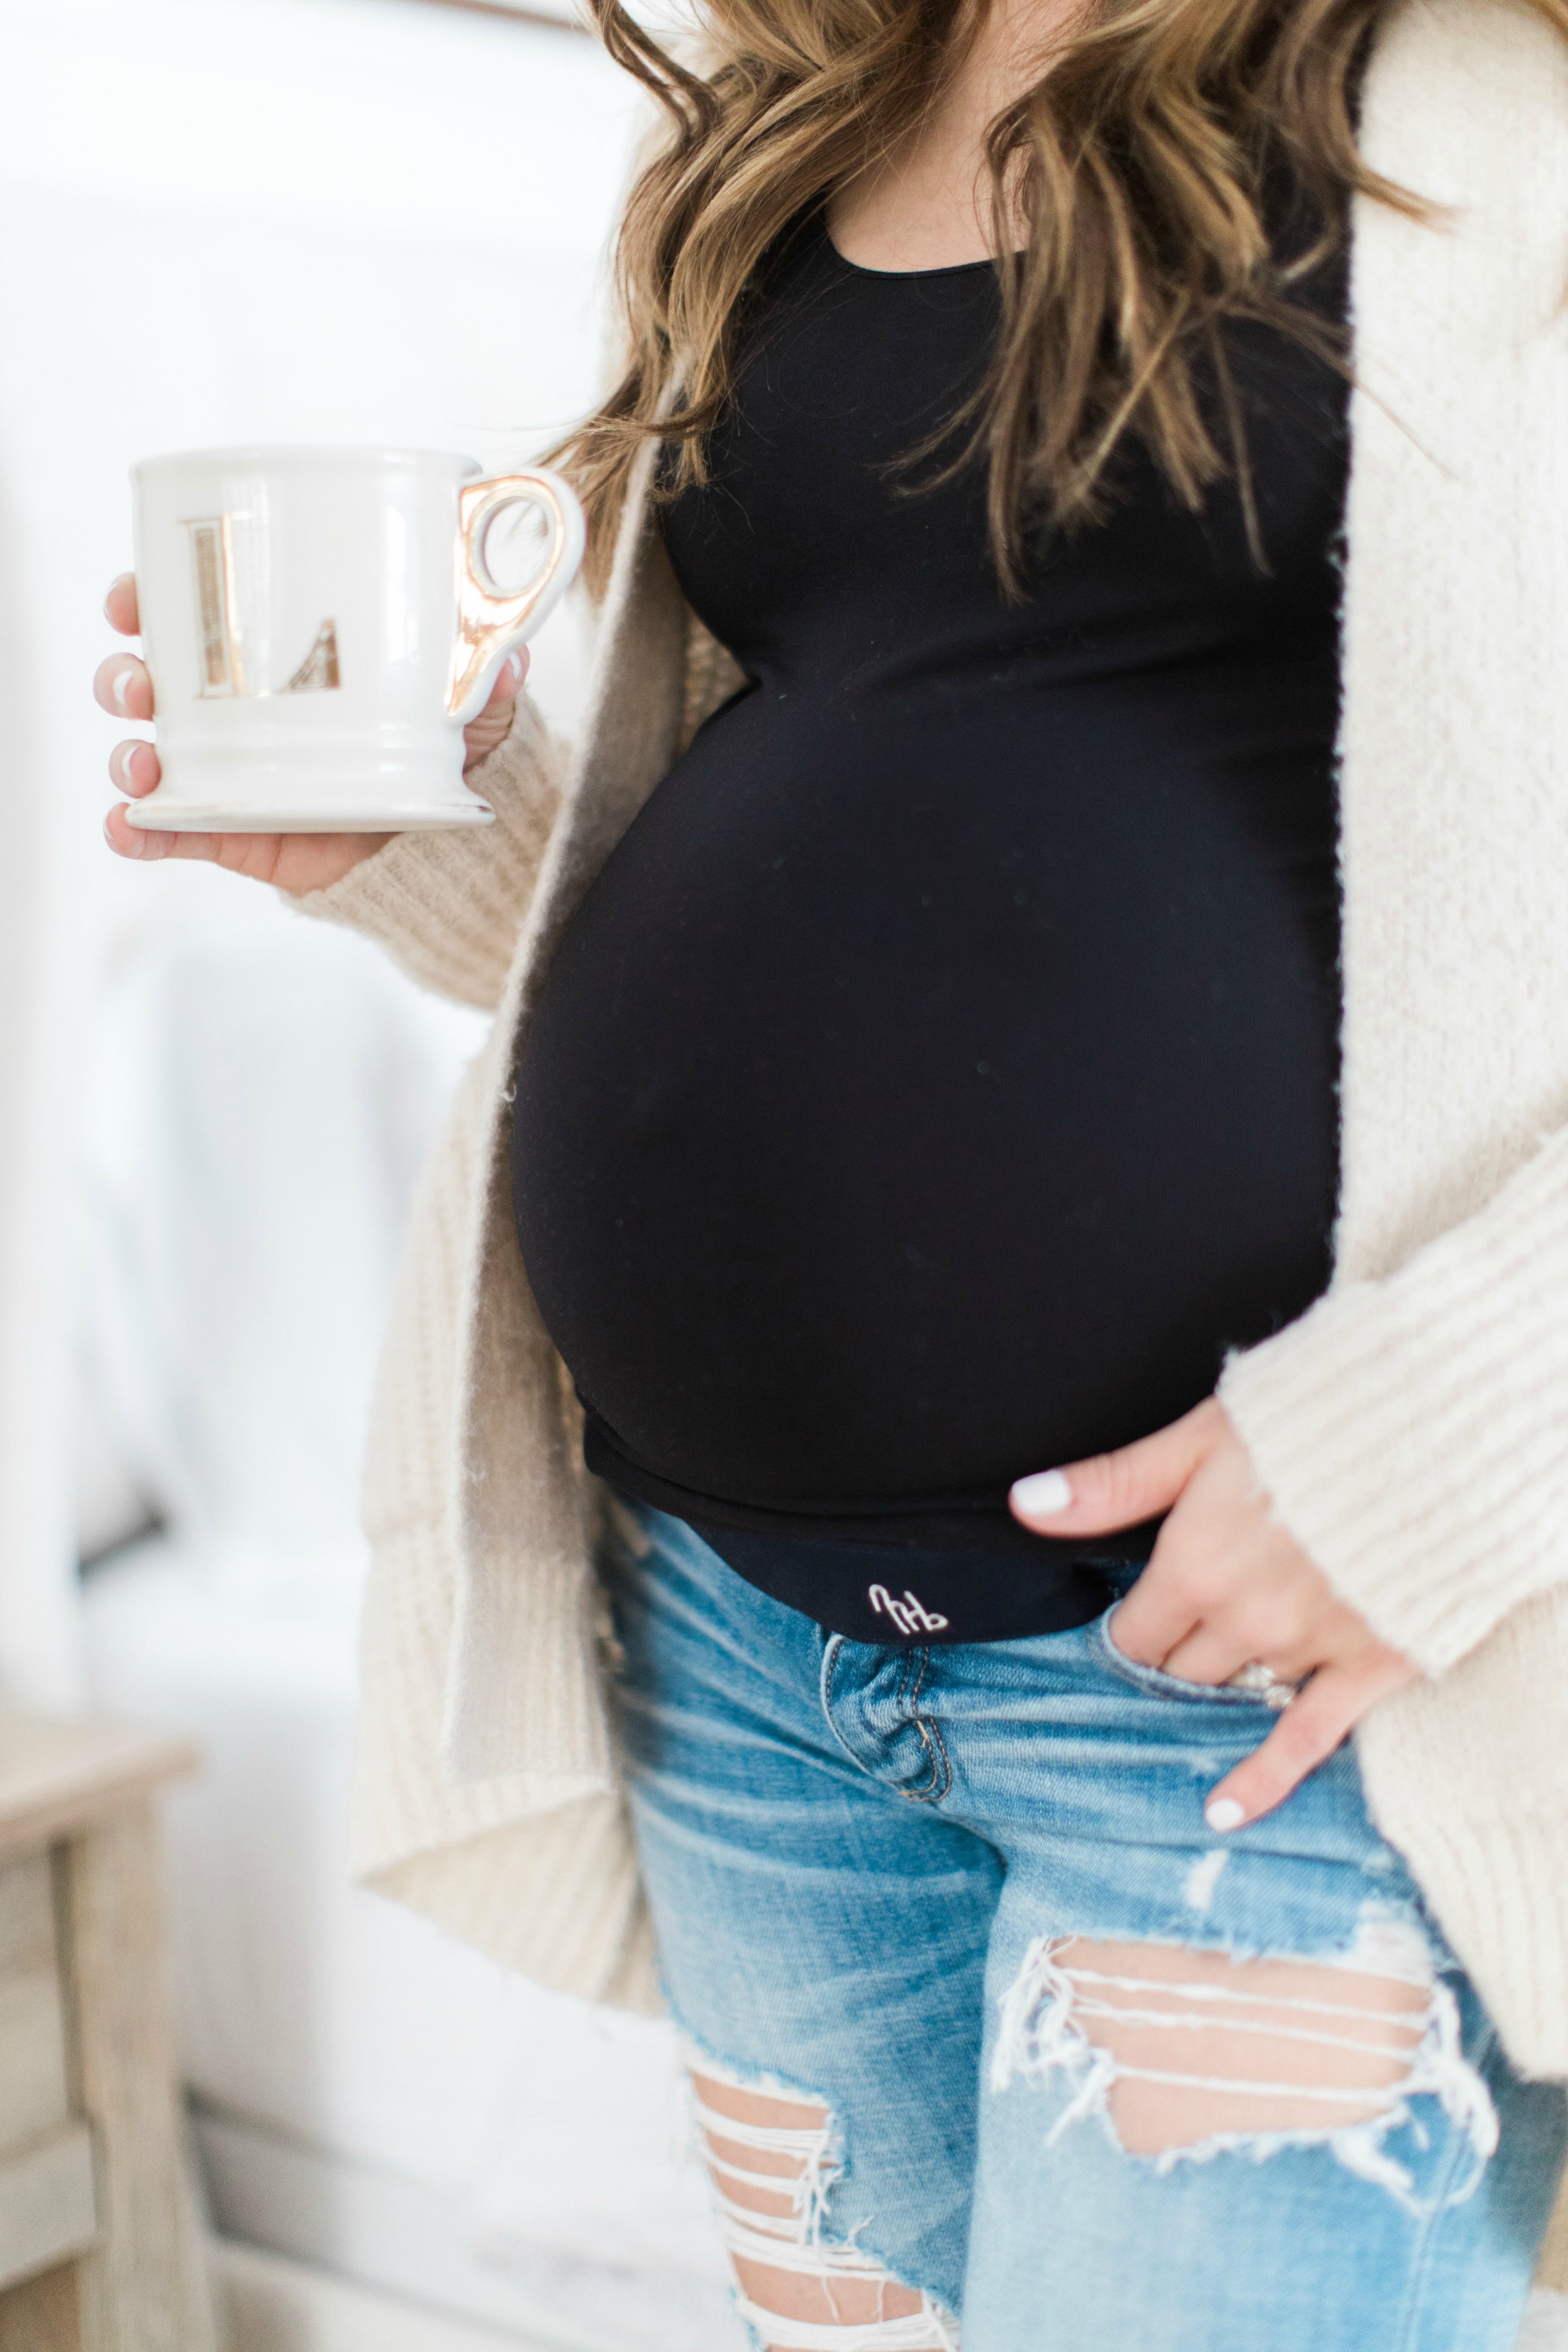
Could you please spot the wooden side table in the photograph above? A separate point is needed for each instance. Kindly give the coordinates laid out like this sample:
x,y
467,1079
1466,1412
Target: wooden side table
x,y
100,2249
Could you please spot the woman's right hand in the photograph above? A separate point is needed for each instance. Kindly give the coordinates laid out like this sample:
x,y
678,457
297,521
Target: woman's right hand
x,y
296,862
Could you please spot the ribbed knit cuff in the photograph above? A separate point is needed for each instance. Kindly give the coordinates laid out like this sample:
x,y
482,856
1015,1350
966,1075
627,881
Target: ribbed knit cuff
x,y
449,904
1502,1881
1412,1432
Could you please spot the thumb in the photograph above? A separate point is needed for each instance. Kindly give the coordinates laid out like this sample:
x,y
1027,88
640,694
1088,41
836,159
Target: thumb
x,y
1118,1489
510,677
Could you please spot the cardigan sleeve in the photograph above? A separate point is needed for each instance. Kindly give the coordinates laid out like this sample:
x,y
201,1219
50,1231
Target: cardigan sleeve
x,y
449,904
1411,1431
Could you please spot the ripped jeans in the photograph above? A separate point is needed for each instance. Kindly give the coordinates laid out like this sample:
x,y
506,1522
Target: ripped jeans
x,y
989,2032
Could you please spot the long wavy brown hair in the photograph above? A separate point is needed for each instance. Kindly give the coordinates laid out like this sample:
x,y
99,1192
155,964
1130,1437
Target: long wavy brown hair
x,y
1137,168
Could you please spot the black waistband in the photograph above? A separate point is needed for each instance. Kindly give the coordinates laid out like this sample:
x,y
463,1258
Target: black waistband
x,y
900,1594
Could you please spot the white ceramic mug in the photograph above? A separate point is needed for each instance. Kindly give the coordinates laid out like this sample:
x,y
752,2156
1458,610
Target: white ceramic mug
x,y
320,624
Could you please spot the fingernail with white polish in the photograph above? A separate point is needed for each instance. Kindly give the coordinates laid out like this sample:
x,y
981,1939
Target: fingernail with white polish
x,y
120,690
1225,1813
511,673
1041,1495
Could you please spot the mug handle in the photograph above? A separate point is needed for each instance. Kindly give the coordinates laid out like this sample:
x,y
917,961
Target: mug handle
x,y
490,621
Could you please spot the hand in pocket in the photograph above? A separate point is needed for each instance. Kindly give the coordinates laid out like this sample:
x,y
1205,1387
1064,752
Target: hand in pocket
x,y
1227,1587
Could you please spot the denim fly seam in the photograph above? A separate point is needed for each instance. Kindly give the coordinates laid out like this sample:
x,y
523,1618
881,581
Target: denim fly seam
x,y
772,2212
913,1666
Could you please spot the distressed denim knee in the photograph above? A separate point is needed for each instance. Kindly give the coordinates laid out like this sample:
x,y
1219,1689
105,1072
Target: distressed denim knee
x,y
1186,2054
774,2156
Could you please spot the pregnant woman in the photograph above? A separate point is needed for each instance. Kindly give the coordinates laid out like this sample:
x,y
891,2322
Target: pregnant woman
x,y
971,1470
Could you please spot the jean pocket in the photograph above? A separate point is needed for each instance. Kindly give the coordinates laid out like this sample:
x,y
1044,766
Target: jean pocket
x,y
1155,1680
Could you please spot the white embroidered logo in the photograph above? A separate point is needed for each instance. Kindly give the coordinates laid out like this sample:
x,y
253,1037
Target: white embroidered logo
x,y
910,1615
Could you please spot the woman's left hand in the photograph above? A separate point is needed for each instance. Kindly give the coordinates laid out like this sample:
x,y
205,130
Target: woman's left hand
x,y
1227,1587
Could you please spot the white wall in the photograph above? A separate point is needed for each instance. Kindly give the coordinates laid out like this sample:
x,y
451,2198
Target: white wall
x,y
225,220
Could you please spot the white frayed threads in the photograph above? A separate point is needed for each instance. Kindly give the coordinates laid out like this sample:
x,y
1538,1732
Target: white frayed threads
x,y
811,2151
929,2330
1038,2034
1386,1946
1046,2010
1197,1892
792,2242
924,2333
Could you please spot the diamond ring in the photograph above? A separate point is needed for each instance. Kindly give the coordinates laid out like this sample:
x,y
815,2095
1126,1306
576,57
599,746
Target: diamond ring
x,y
1272,1688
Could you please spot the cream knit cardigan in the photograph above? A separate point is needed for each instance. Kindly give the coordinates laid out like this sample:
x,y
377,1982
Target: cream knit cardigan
x,y
1412,1428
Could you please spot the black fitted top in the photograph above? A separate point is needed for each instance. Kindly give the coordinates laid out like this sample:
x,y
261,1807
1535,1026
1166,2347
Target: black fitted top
x,y
940,1075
